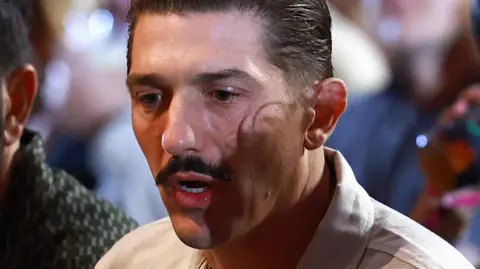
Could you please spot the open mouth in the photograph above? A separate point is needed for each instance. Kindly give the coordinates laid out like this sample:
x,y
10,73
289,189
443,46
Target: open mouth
x,y
194,186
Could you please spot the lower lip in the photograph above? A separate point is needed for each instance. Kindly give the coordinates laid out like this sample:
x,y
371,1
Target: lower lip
x,y
199,200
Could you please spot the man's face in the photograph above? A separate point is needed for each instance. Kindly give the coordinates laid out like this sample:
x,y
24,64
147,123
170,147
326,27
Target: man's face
x,y
411,25
202,88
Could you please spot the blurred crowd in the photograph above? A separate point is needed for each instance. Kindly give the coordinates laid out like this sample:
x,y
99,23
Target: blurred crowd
x,y
404,63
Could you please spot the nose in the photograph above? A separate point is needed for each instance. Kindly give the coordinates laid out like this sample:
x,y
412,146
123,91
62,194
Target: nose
x,y
179,136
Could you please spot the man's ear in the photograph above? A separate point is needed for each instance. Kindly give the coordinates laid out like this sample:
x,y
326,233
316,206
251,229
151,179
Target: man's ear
x,y
327,101
21,89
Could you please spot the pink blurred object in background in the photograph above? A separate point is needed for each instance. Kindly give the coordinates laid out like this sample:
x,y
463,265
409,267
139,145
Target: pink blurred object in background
x,y
465,198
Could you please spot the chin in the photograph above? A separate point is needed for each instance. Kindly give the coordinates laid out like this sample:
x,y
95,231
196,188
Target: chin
x,y
195,233
192,232
196,241
195,237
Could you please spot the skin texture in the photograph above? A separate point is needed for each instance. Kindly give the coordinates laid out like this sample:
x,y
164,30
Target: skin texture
x,y
270,136
19,90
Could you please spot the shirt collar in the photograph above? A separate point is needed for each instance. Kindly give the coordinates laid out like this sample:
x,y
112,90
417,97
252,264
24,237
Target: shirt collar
x,y
343,234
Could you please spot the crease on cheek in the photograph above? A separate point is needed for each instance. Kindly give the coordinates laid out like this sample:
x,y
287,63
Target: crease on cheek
x,y
224,133
236,139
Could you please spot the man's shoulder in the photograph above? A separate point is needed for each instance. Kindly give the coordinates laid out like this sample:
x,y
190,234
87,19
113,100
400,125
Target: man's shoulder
x,y
85,225
154,243
395,239
74,200
72,225
64,204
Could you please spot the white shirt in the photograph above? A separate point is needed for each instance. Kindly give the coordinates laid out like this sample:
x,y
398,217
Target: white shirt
x,y
356,232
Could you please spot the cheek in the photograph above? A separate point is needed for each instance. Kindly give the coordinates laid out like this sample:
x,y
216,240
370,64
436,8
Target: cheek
x,y
268,162
223,135
149,136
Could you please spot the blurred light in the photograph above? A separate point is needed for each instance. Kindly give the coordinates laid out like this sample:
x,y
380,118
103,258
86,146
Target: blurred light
x,y
389,30
77,37
57,84
421,141
100,23
82,30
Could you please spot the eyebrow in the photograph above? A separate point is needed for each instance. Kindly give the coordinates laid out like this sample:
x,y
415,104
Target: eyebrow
x,y
156,80
146,80
210,77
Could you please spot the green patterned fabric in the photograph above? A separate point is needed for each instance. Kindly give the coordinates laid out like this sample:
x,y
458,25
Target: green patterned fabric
x,y
49,220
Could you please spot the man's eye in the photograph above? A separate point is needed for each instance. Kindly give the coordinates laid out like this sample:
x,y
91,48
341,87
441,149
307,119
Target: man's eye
x,y
150,99
224,95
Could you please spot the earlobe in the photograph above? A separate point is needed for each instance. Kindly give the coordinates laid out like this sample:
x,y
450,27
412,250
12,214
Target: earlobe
x,y
314,139
12,131
328,103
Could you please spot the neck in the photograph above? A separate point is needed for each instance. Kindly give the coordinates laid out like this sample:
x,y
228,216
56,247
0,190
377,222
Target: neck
x,y
6,167
280,241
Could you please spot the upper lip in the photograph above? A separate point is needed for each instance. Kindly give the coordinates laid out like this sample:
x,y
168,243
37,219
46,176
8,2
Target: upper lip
x,y
175,179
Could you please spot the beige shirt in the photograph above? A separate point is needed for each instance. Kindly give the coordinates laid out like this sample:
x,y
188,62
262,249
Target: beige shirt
x,y
357,232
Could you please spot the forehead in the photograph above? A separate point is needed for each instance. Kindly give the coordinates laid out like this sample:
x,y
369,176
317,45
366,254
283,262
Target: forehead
x,y
199,42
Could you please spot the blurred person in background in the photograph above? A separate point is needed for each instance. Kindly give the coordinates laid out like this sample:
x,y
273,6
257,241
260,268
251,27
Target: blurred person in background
x,y
358,60
47,219
80,118
469,243
42,32
45,20
433,58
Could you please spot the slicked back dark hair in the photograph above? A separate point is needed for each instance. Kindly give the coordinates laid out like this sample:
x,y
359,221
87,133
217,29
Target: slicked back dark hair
x,y
297,34
15,48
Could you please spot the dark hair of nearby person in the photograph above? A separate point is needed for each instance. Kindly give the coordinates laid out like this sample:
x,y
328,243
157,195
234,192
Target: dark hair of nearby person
x,y
15,47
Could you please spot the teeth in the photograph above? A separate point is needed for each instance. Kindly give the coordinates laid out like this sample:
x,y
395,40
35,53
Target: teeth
x,y
194,190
